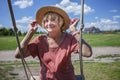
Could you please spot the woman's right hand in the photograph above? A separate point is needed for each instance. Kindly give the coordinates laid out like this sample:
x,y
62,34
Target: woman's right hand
x,y
33,26
32,29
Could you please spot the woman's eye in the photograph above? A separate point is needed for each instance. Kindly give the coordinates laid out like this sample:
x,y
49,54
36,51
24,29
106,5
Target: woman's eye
x,y
52,19
46,21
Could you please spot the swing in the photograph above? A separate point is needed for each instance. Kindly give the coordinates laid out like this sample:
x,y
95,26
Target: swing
x,y
78,77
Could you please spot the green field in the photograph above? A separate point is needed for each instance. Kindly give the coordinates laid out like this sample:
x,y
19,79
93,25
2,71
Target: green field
x,y
9,42
103,39
92,70
99,70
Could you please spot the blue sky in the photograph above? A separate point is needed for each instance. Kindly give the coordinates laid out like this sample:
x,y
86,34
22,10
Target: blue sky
x,y
103,14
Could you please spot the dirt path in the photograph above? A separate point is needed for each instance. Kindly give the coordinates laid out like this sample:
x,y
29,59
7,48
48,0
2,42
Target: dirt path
x,y
97,51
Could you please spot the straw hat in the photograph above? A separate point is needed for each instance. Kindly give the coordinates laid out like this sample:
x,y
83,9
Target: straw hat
x,y
42,11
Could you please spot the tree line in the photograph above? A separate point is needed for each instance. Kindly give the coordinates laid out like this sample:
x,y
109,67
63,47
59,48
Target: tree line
x,y
10,32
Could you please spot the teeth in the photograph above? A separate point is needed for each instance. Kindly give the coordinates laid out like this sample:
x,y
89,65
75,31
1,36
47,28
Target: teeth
x,y
49,29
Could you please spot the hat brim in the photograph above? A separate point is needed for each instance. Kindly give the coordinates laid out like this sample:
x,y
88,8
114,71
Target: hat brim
x,y
42,11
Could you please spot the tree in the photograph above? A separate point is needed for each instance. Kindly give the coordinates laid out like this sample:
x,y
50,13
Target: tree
x,y
11,32
3,31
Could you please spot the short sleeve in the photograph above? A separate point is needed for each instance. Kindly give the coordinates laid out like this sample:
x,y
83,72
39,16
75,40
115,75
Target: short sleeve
x,y
74,45
33,47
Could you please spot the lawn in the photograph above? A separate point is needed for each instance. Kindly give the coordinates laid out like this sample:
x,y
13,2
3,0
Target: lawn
x,y
92,70
99,70
9,42
102,39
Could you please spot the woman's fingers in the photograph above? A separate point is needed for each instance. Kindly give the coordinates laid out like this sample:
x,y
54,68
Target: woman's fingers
x,y
33,24
75,20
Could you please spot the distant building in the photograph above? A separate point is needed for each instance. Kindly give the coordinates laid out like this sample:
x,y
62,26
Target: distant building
x,y
92,30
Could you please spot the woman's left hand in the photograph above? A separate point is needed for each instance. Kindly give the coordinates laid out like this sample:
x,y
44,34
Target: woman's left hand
x,y
73,24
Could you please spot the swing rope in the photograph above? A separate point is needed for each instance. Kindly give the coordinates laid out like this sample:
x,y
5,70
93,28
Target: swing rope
x,y
25,65
80,41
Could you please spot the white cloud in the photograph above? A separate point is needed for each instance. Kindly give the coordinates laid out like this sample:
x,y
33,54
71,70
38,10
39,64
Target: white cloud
x,y
108,21
116,17
96,17
23,23
22,28
114,10
23,3
25,20
73,7
88,9
26,27
104,24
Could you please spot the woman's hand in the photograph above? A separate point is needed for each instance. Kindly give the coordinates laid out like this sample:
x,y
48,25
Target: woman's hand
x,y
73,24
33,26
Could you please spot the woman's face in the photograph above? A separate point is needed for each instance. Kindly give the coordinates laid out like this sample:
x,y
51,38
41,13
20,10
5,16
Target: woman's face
x,y
52,22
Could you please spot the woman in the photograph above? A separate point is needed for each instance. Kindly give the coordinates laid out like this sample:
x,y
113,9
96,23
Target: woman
x,y
53,49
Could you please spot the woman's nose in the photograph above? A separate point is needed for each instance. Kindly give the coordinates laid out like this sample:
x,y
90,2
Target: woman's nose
x,y
49,22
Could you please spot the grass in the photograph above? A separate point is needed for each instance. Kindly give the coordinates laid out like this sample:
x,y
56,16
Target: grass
x,y
99,71
108,56
5,70
9,42
13,70
92,70
102,39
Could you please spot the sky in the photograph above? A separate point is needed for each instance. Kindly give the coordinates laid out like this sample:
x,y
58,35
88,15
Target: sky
x,y
103,14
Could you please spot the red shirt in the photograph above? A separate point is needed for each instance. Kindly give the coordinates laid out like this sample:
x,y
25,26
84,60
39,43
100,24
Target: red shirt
x,y
55,62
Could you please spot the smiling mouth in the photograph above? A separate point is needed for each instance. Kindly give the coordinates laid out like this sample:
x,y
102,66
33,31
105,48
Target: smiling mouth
x,y
50,28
